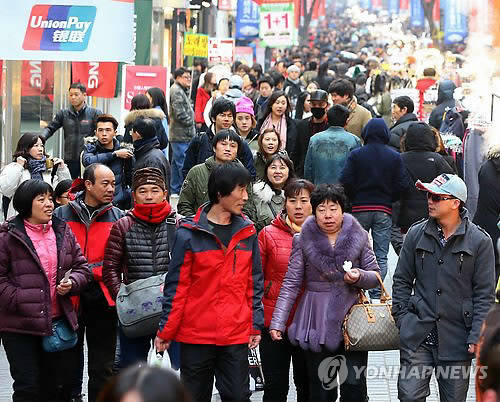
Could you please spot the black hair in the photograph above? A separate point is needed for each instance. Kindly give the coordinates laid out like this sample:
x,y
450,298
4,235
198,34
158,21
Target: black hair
x,y
258,69
227,134
106,118
295,186
27,191
268,79
330,192
25,143
222,105
277,78
158,99
338,115
145,127
61,188
235,66
180,71
342,87
272,99
283,157
405,101
224,178
313,66
323,69
78,85
139,102
299,108
89,172
153,384
253,80
222,79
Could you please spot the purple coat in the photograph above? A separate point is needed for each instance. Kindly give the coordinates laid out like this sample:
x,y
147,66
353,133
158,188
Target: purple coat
x,y
327,298
25,305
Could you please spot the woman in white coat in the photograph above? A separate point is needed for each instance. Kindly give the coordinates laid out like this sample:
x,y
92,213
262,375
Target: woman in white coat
x,y
30,162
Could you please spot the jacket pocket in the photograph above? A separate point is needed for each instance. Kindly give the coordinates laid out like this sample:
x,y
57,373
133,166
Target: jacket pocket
x,y
467,312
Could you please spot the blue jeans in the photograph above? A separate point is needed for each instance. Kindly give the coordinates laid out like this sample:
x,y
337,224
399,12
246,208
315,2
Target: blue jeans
x,y
380,224
178,154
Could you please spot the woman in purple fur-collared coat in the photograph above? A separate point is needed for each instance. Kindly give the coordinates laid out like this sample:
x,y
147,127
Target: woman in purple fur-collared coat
x,y
328,239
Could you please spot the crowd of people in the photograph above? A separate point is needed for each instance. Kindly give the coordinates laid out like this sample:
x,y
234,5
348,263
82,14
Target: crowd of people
x,y
237,205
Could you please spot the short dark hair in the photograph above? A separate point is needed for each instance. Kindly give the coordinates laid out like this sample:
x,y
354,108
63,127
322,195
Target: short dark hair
x,y
295,186
313,66
429,72
61,188
283,157
227,134
139,102
342,87
145,127
180,71
266,79
89,172
224,178
78,85
222,105
25,143
277,77
338,115
405,101
106,118
330,192
26,193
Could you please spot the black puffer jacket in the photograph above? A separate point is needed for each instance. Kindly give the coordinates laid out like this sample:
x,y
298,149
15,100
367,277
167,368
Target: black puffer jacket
x,y
445,100
399,129
421,163
76,126
138,250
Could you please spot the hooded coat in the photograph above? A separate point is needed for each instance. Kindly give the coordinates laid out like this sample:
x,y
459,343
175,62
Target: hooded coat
x,y
445,100
156,114
327,298
374,176
398,130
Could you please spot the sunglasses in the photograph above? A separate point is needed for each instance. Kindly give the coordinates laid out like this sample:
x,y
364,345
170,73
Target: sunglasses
x,y
438,198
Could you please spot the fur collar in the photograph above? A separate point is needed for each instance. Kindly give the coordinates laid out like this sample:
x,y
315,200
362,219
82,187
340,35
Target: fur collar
x,y
265,193
320,253
494,152
151,113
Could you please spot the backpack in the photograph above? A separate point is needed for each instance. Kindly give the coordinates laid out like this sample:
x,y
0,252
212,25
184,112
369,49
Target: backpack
x,y
452,123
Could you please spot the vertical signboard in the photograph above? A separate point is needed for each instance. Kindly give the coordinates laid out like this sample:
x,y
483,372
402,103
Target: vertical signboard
x,y
247,20
455,21
277,25
417,16
98,77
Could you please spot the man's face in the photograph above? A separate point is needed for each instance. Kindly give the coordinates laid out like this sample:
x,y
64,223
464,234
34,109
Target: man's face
x,y
105,132
235,201
293,75
340,100
223,120
441,205
76,97
319,103
103,189
226,151
265,90
149,194
397,112
185,80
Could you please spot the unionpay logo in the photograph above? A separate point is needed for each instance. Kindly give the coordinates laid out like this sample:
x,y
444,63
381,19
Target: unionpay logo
x,y
60,28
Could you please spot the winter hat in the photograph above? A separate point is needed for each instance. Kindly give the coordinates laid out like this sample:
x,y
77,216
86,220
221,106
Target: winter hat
x,y
245,105
235,82
293,68
148,175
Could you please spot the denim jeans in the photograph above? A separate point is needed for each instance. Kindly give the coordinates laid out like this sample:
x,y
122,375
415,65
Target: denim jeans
x,y
178,154
416,371
380,224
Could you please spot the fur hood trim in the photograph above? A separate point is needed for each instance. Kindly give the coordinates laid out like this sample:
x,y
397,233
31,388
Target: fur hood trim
x,y
151,113
494,152
264,192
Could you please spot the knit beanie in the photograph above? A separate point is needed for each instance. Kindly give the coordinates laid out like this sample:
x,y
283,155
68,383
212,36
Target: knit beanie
x,y
148,175
245,105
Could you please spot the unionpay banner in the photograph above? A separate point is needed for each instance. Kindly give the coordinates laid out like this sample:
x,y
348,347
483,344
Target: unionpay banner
x,y
247,19
455,21
277,25
67,30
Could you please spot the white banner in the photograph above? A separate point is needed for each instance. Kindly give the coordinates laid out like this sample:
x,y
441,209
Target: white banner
x,y
67,30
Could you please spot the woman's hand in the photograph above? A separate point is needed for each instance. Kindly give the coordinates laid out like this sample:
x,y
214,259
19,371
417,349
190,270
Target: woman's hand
x,y
352,276
21,160
64,287
59,163
254,341
161,345
276,335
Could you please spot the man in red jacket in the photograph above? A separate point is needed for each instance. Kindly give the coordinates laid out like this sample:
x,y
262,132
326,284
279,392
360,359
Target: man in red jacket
x,y
91,216
213,291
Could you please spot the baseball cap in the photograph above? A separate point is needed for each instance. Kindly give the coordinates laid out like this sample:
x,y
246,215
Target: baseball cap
x,y
235,82
445,184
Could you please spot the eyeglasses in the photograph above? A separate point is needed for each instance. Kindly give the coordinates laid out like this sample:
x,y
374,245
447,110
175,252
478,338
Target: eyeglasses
x,y
438,198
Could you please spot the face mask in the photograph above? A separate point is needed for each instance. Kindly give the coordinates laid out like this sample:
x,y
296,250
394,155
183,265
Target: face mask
x,y
318,112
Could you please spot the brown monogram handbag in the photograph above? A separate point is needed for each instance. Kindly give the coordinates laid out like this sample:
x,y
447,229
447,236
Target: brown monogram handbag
x,y
370,327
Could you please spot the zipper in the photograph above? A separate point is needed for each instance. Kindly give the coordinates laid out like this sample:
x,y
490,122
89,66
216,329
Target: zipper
x,y
154,252
234,261
423,255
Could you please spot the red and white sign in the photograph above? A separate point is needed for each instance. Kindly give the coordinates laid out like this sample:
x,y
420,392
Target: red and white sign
x,y
225,5
244,54
220,50
138,79
37,78
98,77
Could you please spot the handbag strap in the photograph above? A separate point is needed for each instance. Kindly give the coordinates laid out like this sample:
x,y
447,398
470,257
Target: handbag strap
x,y
384,295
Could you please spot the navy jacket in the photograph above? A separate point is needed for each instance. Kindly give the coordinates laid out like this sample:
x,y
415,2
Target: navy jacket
x,y
374,175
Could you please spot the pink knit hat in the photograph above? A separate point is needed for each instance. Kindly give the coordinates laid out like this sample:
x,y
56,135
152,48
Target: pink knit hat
x,y
245,105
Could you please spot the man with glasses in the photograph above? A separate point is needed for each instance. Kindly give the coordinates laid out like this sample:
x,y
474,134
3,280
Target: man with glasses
x,y
443,288
182,125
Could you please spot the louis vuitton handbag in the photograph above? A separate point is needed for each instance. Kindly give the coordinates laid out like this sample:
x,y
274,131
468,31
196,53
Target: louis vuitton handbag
x,y
370,327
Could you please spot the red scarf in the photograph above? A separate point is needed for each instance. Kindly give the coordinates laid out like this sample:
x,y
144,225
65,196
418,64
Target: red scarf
x,y
152,213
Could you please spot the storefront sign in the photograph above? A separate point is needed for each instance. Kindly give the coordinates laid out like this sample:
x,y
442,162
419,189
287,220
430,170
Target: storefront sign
x,y
195,45
61,30
244,54
455,21
138,79
247,19
277,25
98,77
220,50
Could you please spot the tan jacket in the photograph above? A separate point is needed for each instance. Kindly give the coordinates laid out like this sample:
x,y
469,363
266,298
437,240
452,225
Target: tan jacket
x,y
357,119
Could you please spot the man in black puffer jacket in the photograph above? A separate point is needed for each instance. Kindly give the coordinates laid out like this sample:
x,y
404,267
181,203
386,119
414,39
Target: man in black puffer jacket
x,y
138,248
403,116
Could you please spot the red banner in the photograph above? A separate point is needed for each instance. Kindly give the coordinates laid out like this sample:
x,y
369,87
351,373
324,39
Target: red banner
x,y
404,5
377,3
98,77
436,11
37,78
138,79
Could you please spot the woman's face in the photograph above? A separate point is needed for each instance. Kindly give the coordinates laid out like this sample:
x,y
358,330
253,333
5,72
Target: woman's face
x,y
277,173
307,104
279,107
243,122
41,209
298,207
270,143
36,151
63,199
329,217
223,86
311,87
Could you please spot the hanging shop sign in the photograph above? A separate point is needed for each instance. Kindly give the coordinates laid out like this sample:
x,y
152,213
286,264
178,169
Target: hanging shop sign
x,y
98,77
417,16
195,45
455,21
138,79
247,20
277,25
220,50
